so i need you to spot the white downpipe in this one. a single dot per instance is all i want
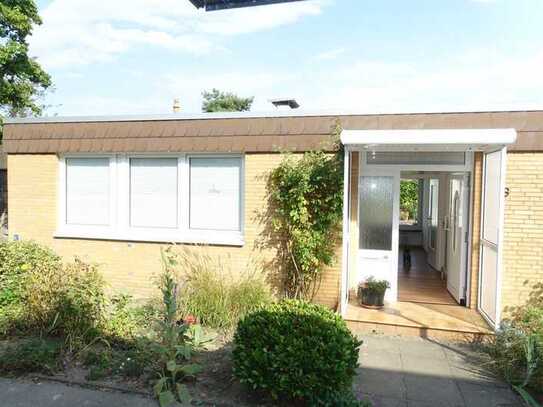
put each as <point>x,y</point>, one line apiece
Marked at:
<point>344,290</point>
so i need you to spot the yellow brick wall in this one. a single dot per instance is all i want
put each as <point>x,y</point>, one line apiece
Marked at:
<point>523,229</point>
<point>129,266</point>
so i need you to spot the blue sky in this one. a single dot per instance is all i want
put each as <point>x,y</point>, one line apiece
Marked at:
<point>135,56</point>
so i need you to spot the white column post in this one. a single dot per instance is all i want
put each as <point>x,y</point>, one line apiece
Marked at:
<point>344,288</point>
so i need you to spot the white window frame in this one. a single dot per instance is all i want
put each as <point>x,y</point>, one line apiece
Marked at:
<point>120,229</point>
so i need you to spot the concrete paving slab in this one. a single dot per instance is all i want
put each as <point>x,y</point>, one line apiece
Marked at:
<point>431,374</point>
<point>423,365</point>
<point>20,393</point>
<point>433,389</point>
<point>487,396</point>
<point>380,360</point>
<point>380,383</point>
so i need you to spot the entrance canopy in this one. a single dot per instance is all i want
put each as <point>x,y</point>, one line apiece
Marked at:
<point>484,140</point>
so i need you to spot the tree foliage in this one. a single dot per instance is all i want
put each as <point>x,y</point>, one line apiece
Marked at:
<point>307,199</point>
<point>409,197</point>
<point>22,80</point>
<point>217,101</point>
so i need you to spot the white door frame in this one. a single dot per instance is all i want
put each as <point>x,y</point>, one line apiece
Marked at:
<point>461,294</point>
<point>467,140</point>
<point>391,294</point>
<point>499,248</point>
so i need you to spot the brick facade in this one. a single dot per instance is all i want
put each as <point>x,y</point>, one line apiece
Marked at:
<point>130,266</point>
<point>523,229</point>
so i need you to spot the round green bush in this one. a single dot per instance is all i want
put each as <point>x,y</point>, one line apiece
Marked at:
<point>296,350</point>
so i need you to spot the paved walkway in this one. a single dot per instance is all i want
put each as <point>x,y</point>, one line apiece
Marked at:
<point>415,372</point>
<point>23,393</point>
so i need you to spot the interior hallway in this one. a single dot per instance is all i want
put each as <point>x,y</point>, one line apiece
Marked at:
<point>421,283</point>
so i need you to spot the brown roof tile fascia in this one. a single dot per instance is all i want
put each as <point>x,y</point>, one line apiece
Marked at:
<point>255,134</point>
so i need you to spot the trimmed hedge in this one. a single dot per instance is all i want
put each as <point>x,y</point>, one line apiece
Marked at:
<point>298,351</point>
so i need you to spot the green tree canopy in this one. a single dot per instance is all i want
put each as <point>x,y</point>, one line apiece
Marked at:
<point>22,80</point>
<point>217,101</point>
<point>409,197</point>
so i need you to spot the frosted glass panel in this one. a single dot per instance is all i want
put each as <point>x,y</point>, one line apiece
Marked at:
<point>153,192</point>
<point>87,191</point>
<point>489,270</point>
<point>376,208</point>
<point>492,197</point>
<point>215,193</point>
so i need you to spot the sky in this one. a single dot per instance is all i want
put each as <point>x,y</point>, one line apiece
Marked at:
<point>135,56</point>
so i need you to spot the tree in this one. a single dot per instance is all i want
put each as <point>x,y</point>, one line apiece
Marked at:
<point>409,197</point>
<point>217,101</point>
<point>22,80</point>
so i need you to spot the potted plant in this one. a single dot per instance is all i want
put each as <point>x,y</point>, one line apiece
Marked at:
<point>371,293</point>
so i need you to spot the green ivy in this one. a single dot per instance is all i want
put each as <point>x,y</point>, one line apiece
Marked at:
<point>307,199</point>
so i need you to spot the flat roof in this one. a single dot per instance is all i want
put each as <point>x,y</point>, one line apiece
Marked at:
<point>238,115</point>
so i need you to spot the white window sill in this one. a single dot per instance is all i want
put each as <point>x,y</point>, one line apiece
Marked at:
<point>207,237</point>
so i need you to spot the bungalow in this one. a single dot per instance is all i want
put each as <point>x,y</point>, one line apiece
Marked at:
<point>113,188</point>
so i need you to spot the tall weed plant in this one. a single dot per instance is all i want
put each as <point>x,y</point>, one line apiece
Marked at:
<point>217,294</point>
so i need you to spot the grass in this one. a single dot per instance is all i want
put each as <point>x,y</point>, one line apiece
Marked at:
<point>216,294</point>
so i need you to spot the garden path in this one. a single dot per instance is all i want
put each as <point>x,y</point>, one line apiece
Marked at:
<point>417,372</point>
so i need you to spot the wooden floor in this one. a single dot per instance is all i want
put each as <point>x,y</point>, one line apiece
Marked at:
<point>421,283</point>
<point>425,307</point>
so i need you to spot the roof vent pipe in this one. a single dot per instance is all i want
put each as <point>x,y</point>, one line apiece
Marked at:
<point>176,106</point>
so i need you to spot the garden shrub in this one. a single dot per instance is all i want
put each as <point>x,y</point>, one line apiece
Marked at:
<point>69,302</point>
<point>17,261</point>
<point>215,295</point>
<point>31,356</point>
<point>298,351</point>
<point>517,349</point>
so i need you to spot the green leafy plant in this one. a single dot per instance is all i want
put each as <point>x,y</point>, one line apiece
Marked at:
<point>214,294</point>
<point>18,260</point>
<point>176,344</point>
<point>517,349</point>
<point>68,302</point>
<point>306,194</point>
<point>409,197</point>
<point>296,351</point>
<point>31,356</point>
<point>376,286</point>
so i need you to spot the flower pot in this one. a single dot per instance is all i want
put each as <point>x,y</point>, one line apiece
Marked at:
<point>370,298</point>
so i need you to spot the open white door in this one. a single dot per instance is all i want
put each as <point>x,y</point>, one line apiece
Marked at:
<point>379,201</point>
<point>492,235</point>
<point>456,228</point>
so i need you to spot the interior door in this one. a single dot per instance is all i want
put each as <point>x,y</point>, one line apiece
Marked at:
<point>456,229</point>
<point>378,228</point>
<point>491,235</point>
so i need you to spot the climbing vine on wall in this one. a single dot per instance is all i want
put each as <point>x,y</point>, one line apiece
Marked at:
<point>307,199</point>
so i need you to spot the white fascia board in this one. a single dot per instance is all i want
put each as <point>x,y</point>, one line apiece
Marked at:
<point>460,138</point>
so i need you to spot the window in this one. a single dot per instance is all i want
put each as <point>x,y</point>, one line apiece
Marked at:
<point>87,191</point>
<point>153,192</point>
<point>170,198</point>
<point>215,193</point>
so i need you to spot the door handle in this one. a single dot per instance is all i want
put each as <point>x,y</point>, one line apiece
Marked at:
<point>385,257</point>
